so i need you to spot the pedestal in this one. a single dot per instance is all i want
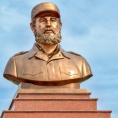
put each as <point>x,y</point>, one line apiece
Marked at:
<point>54,103</point>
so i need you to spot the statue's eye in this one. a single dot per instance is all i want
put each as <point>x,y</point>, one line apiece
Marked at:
<point>42,20</point>
<point>53,19</point>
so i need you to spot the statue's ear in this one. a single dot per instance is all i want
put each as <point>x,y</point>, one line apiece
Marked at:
<point>32,26</point>
<point>60,23</point>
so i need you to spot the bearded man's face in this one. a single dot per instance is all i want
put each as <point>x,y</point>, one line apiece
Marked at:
<point>47,29</point>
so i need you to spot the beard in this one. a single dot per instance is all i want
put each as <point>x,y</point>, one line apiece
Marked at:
<point>49,39</point>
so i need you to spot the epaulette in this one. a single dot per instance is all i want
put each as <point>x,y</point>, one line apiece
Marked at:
<point>20,53</point>
<point>74,53</point>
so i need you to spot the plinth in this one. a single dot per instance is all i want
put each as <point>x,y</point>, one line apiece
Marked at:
<point>54,102</point>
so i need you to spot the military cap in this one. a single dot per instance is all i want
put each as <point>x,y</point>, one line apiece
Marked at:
<point>45,7</point>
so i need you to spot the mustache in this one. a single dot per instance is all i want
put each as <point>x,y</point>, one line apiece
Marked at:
<point>48,29</point>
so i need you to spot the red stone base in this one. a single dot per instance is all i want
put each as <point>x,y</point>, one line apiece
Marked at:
<point>57,114</point>
<point>56,103</point>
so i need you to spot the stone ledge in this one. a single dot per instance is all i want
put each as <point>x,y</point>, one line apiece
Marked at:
<point>55,91</point>
<point>56,114</point>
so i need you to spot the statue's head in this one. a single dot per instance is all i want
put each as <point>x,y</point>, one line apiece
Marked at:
<point>46,23</point>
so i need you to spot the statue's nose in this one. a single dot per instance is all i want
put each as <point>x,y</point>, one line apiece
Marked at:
<point>48,24</point>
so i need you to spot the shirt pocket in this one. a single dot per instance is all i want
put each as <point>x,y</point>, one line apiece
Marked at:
<point>32,72</point>
<point>69,70</point>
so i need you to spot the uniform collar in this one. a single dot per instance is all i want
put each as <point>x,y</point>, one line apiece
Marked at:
<point>35,52</point>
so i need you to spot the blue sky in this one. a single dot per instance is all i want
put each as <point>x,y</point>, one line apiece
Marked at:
<point>90,27</point>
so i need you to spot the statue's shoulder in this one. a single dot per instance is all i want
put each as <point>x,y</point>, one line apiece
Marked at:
<point>75,56</point>
<point>73,53</point>
<point>20,53</point>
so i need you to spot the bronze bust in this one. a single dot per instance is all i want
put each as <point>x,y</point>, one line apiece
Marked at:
<point>46,63</point>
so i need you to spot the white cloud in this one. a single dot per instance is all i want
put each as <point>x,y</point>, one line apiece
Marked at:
<point>10,18</point>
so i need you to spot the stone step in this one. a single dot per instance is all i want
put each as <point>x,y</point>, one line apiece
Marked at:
<point>56,114</point>
<point>53,96</point>
<point>54,104</point>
